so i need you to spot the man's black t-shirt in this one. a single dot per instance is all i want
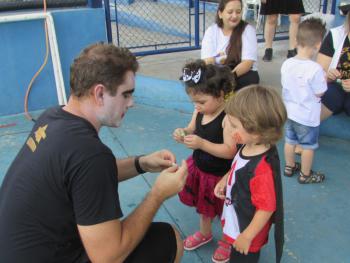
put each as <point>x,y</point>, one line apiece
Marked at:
<point>63,176</point>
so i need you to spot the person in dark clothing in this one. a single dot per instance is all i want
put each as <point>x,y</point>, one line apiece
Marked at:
<point>334,58</point>
<point>59,200</point>
<point>272,8</point>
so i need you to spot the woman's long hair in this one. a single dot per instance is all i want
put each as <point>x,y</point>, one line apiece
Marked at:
<point>347,22</point>
<point>234,48</point>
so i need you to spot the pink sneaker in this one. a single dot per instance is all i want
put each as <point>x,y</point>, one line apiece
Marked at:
<point>196,240</point>
<point>222,253</point>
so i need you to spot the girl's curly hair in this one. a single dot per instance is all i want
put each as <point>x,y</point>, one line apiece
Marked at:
<point>212,81</point>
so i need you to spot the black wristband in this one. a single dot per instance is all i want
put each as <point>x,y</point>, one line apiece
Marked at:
<point>137,165</point>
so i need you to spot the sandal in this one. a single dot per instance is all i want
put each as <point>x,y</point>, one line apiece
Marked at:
<point>314,177</point>
<point>222,253</point>
<point>196,240</point>
<point>290,171</point>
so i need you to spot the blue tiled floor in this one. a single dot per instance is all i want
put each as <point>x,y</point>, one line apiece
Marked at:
<point>316,216</point>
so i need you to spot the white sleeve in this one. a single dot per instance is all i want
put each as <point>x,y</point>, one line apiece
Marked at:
<point>208,44</point>
<point>319,83</point>
<point>249,44</point>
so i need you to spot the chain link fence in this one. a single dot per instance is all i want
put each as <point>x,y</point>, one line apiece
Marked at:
<point>160,26</point>
<point>145,24</point>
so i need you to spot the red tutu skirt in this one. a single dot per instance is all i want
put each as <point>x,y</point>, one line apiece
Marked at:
<point>199,191</point>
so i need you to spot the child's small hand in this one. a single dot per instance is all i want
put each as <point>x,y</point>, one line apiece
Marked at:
<point>193,141</point>
<point>242,244</point>
<point>220,189</point>
<point>179,135</point>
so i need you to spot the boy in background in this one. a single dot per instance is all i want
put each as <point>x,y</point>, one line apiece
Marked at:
<point>303,83</point>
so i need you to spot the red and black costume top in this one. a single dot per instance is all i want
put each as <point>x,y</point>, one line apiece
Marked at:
<point>254,184</point>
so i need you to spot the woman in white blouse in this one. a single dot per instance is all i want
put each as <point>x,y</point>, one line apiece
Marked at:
<point>232,42</point>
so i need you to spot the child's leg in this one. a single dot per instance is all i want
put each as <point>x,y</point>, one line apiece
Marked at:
<point>237,257</point>
<point>222,252</point>
<point>205,225</point>
<point>291,166</point>
<point>201,237</point>
<point>298,150</point>
<point>309,142</point>
<point>289,154</point>
<point>307,157</point>
<point>307,175</point>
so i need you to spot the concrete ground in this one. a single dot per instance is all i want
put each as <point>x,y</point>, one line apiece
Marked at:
<point>168,66</point>
<point>316,216</point>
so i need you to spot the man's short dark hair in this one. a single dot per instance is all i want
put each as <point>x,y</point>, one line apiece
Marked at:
<point>103,64</point>
<point>310,32</point>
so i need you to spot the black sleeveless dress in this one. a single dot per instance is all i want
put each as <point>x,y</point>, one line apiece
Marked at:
<point>286,7</point>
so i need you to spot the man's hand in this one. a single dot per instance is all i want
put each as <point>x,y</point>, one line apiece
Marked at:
<point>170,181</point>
<point>193,141</point>
<point>242,244</point>
<point>157,161</point>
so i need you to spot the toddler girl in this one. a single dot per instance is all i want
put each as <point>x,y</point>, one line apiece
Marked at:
<point>214,147</point>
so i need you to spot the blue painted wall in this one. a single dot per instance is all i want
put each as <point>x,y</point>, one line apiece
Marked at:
<point>22,51</point>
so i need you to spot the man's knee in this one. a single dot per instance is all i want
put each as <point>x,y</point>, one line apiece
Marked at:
<point>160,244</point>
<point>179,245</point>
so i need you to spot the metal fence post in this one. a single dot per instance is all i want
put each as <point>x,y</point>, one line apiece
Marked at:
<point>334,4</point>
<point>196,23</point>
<point>108,21</point>
<point>324,6</point>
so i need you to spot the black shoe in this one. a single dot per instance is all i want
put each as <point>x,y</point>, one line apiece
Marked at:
<point>268,55</point>
<point>292,53</point>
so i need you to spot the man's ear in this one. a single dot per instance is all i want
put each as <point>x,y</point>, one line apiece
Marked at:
<point>98,92</point>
